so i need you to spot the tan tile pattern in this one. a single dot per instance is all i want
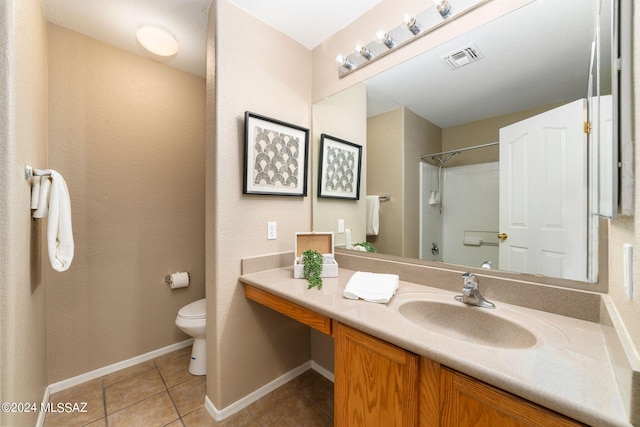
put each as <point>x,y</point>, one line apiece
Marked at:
<point>157,410</point>
<point>129,372</point>
<point>161,392</point>
<point>136,389</point>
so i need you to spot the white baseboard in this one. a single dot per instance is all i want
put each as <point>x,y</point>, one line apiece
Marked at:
<point>70,382</point>
<point>239,405</point>
<point>42,414</point>
<point>322,371</point>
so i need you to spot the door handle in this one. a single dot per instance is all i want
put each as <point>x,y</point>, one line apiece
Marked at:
<point>503,236</point>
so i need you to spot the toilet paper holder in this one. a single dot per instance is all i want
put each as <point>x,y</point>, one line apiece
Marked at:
<point>168,279</point>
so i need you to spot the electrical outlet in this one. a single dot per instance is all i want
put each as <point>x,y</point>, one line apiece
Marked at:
<point>272,230</point>
<point>341,226</point>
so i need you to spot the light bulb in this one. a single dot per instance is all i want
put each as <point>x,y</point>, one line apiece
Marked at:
<point>412,24</point>
<point>343,61</point>
<point>444,8</point>
<point>362,50</point>
<point>384,38</point>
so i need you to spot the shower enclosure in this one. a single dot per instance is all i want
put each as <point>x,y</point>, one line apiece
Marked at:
<point>463,225</point>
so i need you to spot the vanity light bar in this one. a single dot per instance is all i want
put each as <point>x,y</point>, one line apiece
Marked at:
<point>411,29</point>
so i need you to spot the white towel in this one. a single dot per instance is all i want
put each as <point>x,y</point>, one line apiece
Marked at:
<point>59,232</point>
<point>372,287</point>
<point>42,208</point>
<point>373,215</point>
<point>35,192</point>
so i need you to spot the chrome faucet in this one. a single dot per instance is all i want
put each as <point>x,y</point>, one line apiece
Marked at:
<point>471,294</point>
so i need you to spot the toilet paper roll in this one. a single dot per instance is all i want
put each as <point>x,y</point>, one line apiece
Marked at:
<point>178,280</point>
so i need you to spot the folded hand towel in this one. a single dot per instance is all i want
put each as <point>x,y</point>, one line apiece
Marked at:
<point>42,209</point>
<point>372,287</point>
<point>59,232</point>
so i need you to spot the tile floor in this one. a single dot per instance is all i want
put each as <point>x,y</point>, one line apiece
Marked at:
<point>161,392</point>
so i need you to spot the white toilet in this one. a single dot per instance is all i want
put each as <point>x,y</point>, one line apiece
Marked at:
<point>192,320</point>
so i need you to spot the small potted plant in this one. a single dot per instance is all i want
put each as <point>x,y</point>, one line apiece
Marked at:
<point>312,270</point>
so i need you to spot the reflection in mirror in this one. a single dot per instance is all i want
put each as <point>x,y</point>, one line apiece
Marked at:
<point>478,122</point>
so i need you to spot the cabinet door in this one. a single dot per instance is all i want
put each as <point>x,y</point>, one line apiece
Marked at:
<point>469,402</point>
<point>376,383</point>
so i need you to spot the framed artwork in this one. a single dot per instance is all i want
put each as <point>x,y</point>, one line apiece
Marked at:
<point>339,168</point>
<point>275,157</point>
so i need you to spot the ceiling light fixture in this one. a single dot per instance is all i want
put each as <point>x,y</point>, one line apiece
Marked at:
<point>384,38</point>
<point>157,40</point>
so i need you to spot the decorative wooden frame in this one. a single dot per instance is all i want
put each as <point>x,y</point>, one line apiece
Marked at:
<point>275,157</point>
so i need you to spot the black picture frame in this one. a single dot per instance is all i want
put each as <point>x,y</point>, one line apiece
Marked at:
<point>339,165</point>
<point>275,157</point>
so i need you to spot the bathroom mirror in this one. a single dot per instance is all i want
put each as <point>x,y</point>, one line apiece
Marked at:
<point>531,61</point>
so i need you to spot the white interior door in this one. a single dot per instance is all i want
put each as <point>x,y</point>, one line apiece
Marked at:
<point>543,194</point>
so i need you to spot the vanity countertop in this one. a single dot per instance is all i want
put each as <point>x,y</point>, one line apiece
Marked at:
<point>570,373</point>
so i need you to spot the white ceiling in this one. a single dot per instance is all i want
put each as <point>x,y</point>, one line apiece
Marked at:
<point>536,55</point>
<point>310,22</point>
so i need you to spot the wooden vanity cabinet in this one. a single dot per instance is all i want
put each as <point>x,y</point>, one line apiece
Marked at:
<point>376,383</point>
<point>465,401</point>
<point>379,384</point>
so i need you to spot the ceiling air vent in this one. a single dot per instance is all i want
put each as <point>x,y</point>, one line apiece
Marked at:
<point>463,56</point>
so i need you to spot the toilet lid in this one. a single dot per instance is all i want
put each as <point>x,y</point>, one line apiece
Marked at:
<point>195,310</point>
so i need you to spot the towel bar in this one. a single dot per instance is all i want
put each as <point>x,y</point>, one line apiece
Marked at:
<point>30,172</point>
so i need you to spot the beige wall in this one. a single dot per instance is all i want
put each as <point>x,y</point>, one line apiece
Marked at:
<point>263,71</point>
<point>127,134</point>
<point>342,116</point>
<point>384,158</point>
<point>23,139</point>
<point>396,140</point>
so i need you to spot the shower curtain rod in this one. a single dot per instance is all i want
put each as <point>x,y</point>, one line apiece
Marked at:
<point>426,156</point>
